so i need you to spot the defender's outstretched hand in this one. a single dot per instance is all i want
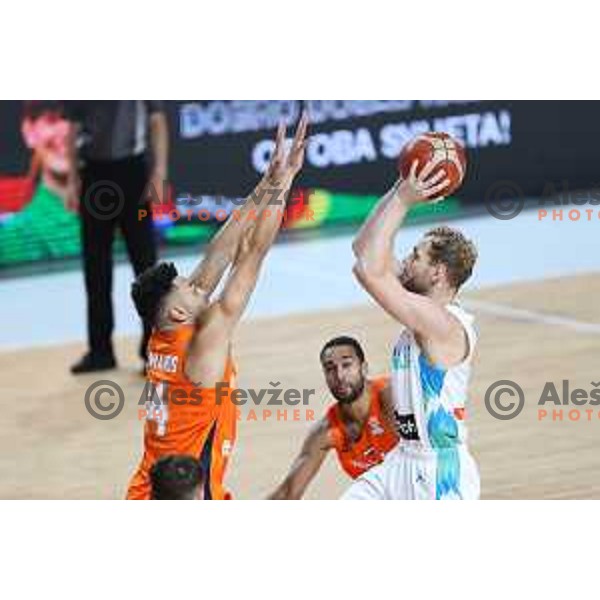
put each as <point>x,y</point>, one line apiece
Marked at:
<point>284,166</point>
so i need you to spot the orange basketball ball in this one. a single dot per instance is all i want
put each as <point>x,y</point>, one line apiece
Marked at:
<point>447,153</point>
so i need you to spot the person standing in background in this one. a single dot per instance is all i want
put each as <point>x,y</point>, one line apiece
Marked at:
<point>118,152</point>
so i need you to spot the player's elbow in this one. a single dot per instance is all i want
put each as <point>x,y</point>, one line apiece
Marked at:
<point>359,272</point>
<point>366,274</point>
<point>359,247</point>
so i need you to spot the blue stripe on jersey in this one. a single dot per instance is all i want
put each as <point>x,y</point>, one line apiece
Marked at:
<point>448,473</point>
<point>432,379</point>
<point>443,435</point>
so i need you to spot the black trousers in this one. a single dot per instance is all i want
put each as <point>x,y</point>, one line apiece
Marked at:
<point>112,195</point>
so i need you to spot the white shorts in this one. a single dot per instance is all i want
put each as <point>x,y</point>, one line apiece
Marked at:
<point>412,474</point>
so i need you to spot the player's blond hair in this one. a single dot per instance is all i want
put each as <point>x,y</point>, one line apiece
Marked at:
<point>452,248</point>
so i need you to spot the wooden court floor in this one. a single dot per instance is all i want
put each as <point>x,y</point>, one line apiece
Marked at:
<point>50,446</point>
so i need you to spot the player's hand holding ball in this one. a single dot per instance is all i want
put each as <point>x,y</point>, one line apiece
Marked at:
<point>431,166</point>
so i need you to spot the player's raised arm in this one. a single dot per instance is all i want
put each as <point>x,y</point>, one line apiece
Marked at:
<point>379,273</point>
<point>254,247</point>
<point>373,245</point>
<point>307,464</point>
<point>225,245</point>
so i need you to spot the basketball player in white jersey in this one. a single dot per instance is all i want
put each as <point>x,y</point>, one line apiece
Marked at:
<point>431,361</point>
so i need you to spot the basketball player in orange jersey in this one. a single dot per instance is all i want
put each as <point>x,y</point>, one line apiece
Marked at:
<point>359,427</point>
<point>190,348</point>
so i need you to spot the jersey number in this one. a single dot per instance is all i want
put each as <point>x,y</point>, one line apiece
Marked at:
<point>156,410</point>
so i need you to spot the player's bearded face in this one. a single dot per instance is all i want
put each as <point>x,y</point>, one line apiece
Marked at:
<point>344,374</point>
<point>416,271</point>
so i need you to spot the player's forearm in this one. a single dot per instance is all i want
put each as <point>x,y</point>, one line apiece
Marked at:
<point>268,218</point>
<point>220,253</point>
<point>244,219</point>
<point>159,141</point>
<point>266,229</point>
<point>276,185</point>
<point>291,489</point>
<point>307,465</point>
<point>225,244</point>
<point>281,493</point>
<point>373,245</point>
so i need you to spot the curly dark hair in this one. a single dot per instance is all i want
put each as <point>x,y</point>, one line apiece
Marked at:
<point>450,247</point>
<point>344,340</point>
<point>176,477</point>
<point>150,288</point>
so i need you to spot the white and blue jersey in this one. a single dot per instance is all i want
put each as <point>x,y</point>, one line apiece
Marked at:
<point>432,460</point>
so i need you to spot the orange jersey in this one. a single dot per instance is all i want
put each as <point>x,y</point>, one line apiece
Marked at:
<point>194,421</point>
<point>375,441</point>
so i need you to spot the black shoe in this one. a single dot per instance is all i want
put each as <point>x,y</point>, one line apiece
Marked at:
<point>94,362</point>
